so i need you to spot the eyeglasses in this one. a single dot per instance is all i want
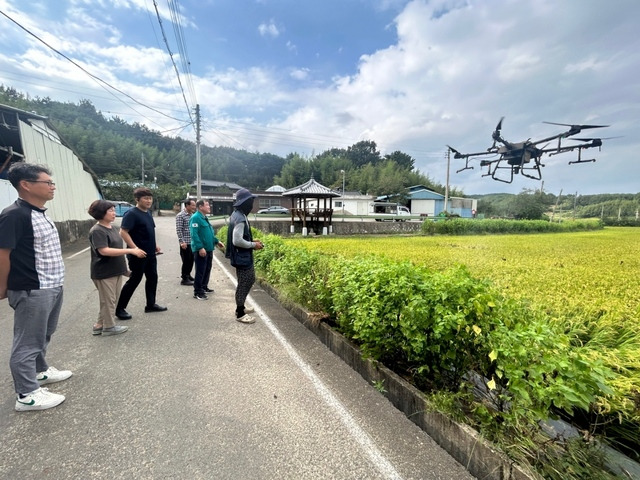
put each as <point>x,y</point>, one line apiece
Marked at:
<point>48,182</point>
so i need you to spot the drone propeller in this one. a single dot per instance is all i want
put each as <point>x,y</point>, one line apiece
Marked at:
<point>456,153</point>
<point>496,133</point>
<point>592,139</point>
<point>577,126</point>
<point>575,129</point>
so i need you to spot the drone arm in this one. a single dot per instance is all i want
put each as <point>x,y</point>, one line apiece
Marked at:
<point>593,142</point>
<point>466,167</point>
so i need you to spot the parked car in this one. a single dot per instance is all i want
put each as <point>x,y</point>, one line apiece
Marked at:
<point>274,209</point>
<point>121,207</point>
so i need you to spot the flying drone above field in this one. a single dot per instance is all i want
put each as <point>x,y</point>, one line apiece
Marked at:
<point>525,157</point>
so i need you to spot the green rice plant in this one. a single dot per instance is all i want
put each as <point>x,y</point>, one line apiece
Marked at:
<point>580,289</point>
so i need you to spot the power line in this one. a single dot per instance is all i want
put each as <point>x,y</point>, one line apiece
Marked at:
<point>182,46</point>
<point>94,77</point>
<point>155,4</point>
<point>155,34</point>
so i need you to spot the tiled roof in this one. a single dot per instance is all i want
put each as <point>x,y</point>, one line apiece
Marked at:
<point>310,189</point>
<point>216,183</point>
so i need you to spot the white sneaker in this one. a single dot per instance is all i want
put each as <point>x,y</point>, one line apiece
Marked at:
<point>246,319</point>
<point>53,375</point>
<point>39,399</point>
<point>249,309</point>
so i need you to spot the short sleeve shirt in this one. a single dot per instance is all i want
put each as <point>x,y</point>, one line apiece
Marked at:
<point>102,266</point>
<point>142,229</point>
<point>36,255</point>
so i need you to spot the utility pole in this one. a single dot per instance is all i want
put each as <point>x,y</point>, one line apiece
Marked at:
<point>446,188</point>
<point>556,205</point>
<point>198,171</point>
<point>143,169</point>
<point>343,174</point>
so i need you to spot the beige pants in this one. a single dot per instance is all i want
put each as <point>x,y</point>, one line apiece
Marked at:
<point>108,291</point>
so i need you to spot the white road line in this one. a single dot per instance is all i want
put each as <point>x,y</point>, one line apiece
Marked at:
<point>78,253</point>
<point>366,442</point>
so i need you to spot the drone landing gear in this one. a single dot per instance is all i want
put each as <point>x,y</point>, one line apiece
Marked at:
<point>514,170</point>
<point>582,161</point>
<point>580,157</point>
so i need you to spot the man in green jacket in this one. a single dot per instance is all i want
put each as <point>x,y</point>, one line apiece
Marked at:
<point>203,241</point>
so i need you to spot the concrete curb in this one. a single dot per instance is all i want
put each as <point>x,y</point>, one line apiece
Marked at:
<point>463,443</point>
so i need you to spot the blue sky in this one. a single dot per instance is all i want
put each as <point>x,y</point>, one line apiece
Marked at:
<point>285,76</point>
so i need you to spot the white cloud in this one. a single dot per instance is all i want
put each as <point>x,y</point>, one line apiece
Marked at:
<point>456,68</point>
<point>291,47</point>
<point>455,72</point>
<point>269,29</point>
<point>300,73</point>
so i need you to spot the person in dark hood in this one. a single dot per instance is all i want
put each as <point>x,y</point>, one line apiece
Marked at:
<point>240,247</point>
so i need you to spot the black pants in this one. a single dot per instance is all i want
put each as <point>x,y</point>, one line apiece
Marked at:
<point>246,278</point>
<point>148,267</point>
<point>187,262</point>
<point>203,272</point>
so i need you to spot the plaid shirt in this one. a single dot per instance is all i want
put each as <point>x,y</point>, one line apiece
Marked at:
<point>182,227</point>
<point>36,256</point>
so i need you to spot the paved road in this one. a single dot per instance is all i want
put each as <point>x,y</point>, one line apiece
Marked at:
<point>193,394</point>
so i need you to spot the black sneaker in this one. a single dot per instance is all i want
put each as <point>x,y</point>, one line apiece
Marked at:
<point>186,282</point>
<point>154,308</point>
<point>123,314</point>
<point>208,290</point>
<point>200,296</point>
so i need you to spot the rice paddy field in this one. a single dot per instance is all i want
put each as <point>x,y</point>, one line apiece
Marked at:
<point>587,276</point>
<point>587,284</point>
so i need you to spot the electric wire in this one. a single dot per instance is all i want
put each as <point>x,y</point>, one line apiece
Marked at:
<point>99,80</point>
<point>178,29</point>
<point>259,134</point>
<point>167,68</point>
<point>164,36</point>
<point>86,92</point>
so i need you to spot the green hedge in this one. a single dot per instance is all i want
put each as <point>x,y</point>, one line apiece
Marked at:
<point>465,226</point>
<point>437,327</point>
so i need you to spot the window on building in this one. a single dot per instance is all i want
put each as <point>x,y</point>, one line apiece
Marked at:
<point>269,202</point>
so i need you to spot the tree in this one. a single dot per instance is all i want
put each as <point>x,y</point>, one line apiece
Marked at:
<point>117,187</point>
<point>295,171</point>
<point>403,160</point>
<point>529,206</point>
<point>362,153</point>
<point>167,195</point>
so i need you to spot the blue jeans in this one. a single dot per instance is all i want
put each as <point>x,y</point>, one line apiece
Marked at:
<point>35,320</point>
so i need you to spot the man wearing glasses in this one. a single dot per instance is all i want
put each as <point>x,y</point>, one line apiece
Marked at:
<point>31,278</point>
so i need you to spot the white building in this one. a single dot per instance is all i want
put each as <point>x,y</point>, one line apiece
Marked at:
<point>351,203</point>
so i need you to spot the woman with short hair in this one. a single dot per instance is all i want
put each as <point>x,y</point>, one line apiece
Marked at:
<point>107,265</point>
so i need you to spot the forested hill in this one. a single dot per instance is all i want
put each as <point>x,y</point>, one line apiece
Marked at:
<point>111,146</point>
<point>115,149</point>
<point>535,204</point>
